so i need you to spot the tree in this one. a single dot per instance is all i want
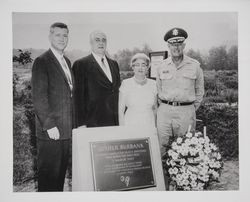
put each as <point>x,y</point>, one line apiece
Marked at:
<point>196,55</point>
<point>23,57</point>
<point>217,58</point>
<point>124,56</point>
<point>233,58</point>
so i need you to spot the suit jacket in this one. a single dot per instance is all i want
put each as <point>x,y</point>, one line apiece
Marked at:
<point>96,97</point>
<point>52,97</point>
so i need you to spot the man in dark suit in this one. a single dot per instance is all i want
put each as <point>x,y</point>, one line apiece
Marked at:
<point>52,93</point>
<point>97,85</point>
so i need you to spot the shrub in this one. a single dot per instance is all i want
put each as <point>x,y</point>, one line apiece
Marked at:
<point>24,140</point>
<point>230,95</point>
<point>23,164</point>
<point>222,127</point>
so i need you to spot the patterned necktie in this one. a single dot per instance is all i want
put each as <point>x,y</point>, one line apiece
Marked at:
<point>67,73</point>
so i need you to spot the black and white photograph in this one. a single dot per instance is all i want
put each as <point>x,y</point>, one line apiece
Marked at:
<point>126,101</point>
<point>87,70</point>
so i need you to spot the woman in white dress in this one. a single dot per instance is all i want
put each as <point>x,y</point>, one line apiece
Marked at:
<point>138,95</point>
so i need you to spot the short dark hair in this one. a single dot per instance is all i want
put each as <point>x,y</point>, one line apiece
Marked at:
<point>60,25</point>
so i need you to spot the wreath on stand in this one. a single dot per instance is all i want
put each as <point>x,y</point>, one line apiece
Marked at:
<point>192,162</point>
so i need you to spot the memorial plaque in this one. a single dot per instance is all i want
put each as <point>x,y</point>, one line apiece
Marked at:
<point>122,165</point>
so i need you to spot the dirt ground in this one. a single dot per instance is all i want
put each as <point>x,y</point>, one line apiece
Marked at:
<point>229,180</point>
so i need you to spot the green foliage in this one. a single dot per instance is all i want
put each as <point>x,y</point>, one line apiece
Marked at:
<point>222,127</point>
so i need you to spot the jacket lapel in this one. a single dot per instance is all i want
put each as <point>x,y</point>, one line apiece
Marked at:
<point>95,64</point>
<point>58,67</point>
<point>111,70</point>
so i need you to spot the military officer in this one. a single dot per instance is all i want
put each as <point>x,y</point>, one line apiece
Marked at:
<point>180,86</point>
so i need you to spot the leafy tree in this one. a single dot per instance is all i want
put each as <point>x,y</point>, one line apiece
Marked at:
<point>217,58</point>
<point>233,58</point>
<point>23,58</point>
<point>123,57</point>
<point>196,55</point>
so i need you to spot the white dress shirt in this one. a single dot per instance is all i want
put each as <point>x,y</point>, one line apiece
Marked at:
<point>105,68</point>
<point>64,66</point>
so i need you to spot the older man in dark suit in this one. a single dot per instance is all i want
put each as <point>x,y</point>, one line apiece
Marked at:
<point>97,85</point>
<point>52,93</point>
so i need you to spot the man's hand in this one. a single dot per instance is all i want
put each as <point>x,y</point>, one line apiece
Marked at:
<point>54,133</point>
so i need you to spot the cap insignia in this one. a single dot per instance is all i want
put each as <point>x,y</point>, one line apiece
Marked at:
<point>175,32</point>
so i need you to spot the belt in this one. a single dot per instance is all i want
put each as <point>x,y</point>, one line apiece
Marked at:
<point>177,103</point>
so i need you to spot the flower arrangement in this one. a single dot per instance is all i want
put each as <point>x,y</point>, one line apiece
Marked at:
<point>192,161</point>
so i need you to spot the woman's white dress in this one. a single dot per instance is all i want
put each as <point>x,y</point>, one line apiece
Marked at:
<point>139,100</point>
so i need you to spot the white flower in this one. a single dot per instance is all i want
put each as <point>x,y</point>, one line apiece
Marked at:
<point>200,186</point>
<point>170,152</point>
<point>216,175</point>
<point>193,177</point>
<point>174,145</point>
<point>199,147</point>
<point>182,162</point>
<point>201,140</point>
<point>175,170</point>
<point>193,159</point>
<point>207,150</point>
<point>194,140</point>
<point>185,176</point>
<point>193,152</point>
<point>213,147</point>
<point>179,177</point>
<point>174,155</point>
<point>217,164</point>
<point>179,140</point>
<point>184,150</point>
<point>193,183</point>
<point>186,188</point>
<point>170,171</point>
<point>218,156</point>
<point>189,135</point>
<point>172,163</point>
<point>185,182</point>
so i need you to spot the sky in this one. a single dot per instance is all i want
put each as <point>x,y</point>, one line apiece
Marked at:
<point>127,30</point>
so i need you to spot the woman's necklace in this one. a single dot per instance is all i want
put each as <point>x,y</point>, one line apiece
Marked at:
<point>139,81</point>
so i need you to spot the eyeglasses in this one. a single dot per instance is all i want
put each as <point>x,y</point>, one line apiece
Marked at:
<point>140,65</point>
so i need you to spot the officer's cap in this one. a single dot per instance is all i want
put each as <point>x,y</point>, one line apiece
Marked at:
<point>176,35</point>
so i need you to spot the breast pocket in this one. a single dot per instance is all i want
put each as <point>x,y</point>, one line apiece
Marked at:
<point>188,79</point>
<point>166,75</point>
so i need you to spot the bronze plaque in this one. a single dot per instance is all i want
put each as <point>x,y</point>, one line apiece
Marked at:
<point>122,165</point>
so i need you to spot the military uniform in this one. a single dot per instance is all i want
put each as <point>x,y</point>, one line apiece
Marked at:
<point>180,91</point>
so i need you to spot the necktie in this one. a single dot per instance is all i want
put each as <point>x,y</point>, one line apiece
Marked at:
<point>67,72</point>
<point>106,70</point>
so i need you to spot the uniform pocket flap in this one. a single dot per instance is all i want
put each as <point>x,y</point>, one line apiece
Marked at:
<point>189,75</point>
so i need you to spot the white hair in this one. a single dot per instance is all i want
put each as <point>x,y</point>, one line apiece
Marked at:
<point>93,33</point>
<point>139,56</point>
